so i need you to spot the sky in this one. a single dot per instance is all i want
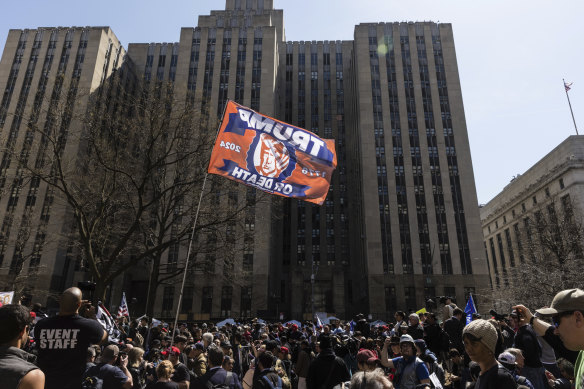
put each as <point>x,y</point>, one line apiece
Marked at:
<point>512,57</point>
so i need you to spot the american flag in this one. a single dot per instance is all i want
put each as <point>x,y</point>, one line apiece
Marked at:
<point>567,85</point>
<point>123,309</point>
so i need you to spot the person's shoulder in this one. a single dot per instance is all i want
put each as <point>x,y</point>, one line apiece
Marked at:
<point>504,378</point>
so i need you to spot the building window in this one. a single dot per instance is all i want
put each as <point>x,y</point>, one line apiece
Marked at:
<point>226,294</point>
<point>410,297</point>
<point>187,300</point>
<point>450,291</point>
<point>390,299</point>
<point>534,200</point>
<point>246,301</point>
<point>561,183</point>
<point>207,302</point>
<point>523,207</point>
<point>168,298</point>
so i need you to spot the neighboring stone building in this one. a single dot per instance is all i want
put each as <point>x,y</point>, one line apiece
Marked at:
<point>401,222</point>
<point>558,179</point>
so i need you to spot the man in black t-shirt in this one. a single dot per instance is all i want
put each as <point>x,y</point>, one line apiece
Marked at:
<point>113,377</point>
<point>181,373</point>
<point>62,342</point>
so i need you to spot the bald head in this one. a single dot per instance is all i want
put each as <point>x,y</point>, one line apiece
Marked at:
<point>70,301</point>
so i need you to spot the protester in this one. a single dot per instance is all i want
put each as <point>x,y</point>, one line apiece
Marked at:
<point>508,361</point>
<point>136,367</point>
<point>567,313</point>
<point>480,340</point>
<point>526,341</point>
<point>410,370</point>
<point>415,329</point>
<point>164,371</point>
<point>17,369</point>
<point>215,374</point>
<point>370,380</point>
<point>327,369</point>
<point>266,377</point>
<point>453,327</point>
<point>181,373</point>
<point>63,340</point>
<point>113,377</point>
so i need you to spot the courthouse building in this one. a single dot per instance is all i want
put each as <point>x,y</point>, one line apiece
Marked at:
<point>400,223</point>
<point>552,184</point>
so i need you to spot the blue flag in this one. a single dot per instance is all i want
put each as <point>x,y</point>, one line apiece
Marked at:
<point>469,309</point>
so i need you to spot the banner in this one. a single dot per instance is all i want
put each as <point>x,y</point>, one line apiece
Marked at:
<point>273,156</point>
<point>6,298</point>
<point>108,323</point>
<point>469,309</point>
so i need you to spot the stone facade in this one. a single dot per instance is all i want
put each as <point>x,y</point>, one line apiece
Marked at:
<point>400,223</point>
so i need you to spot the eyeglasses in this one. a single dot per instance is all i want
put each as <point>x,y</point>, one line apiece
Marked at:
<point>558,318</point>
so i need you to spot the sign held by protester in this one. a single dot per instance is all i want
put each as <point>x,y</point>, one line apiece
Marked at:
<point>273,156</point>
<point>6,298</point>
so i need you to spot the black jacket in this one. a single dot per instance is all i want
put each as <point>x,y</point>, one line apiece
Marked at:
<point>526,341</point>
<point>453,327</point>
<point>326,371</point>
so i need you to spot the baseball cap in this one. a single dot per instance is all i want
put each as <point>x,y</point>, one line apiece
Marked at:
<point>366,356</point>
<point>171,351</point>
<point>566,300</point>
<point>406,338</point>
<point>199,346</point>
<point>506,357</point>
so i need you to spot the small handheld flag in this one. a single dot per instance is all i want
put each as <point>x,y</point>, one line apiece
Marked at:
<point>469,309</point>
<point>276,157</point>
<point>123,309</point>
<point>567,85</point>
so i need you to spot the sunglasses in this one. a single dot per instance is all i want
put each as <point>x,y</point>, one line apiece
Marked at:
<point>558,318</point>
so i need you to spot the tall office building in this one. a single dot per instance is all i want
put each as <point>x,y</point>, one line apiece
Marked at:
<point>41,72</point>
<point>400,223</point>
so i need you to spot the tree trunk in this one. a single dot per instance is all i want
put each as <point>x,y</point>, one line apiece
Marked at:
<point>99,292</point>
<point>154,274</point>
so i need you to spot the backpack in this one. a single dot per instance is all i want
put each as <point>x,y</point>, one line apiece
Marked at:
<point>271,384</point>
<point>90,380</point>
<point>224,385</point>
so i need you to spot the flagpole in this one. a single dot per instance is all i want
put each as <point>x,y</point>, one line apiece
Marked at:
<point>570,104</point>
<point>182,287</point>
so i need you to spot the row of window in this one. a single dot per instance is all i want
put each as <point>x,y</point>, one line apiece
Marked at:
<point>534,203</point>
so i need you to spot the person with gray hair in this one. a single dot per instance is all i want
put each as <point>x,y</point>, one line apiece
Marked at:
<point>370,380</point>
<point>207,339</point>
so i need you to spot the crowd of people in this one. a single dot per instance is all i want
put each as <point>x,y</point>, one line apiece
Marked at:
<point>524,349</point>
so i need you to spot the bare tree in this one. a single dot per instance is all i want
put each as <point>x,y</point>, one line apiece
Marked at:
<point>133,183</point>
<point>549,256</point>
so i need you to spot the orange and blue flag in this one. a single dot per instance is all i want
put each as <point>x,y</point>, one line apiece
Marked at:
<point>273,156</point>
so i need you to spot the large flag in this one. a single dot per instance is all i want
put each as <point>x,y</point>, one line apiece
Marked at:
<point>469,309</point>
<point>107,322</point>
<point>273,156</point>
<point>123,309</point>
